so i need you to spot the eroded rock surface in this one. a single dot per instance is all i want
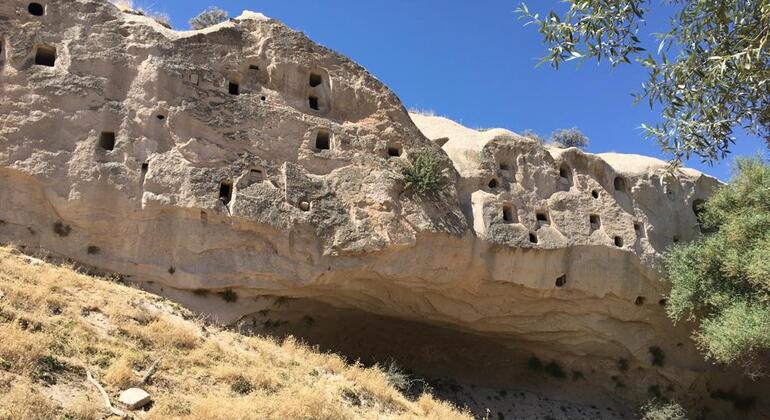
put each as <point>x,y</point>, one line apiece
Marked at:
<point>247,160</point>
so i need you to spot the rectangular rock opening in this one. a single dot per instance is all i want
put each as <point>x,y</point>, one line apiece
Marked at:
<point>45,56</point>
<point>394,151</point>
<point>542,218</point>
<point>508,215</point>
<point>595,221</point>
<point>225,192</point>
<point>313,102</point>
<point>234,89</point>
<point>256,175</point>
<point>107,140</point>
<point>322,140</point>
<point>315,79</point>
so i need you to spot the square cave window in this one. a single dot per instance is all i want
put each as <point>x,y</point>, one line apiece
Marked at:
<point>234,89</point>
<point>322,140</point>
<point>542,218</point>
<point>313,102</point>
<point>508,215</point>
<point>315,80</point>
<point>595,220</point>
<point>257,175</point>
<point>225,192</point>
<point>45,56</point>
<point>107,140</point>
<point>394,151</point>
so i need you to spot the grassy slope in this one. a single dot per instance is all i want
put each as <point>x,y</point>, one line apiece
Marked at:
<point>56,323</point>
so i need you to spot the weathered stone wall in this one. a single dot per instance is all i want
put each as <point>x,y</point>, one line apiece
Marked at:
<point>246,157</point>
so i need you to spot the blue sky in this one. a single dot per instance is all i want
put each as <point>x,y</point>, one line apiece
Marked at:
<point>473,62</point>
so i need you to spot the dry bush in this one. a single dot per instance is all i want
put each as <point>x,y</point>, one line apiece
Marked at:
<point>85,408</point>
<point>120,374</point>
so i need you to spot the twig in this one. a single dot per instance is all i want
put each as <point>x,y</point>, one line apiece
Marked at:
<point>106,397</point>
<point>150,371</point>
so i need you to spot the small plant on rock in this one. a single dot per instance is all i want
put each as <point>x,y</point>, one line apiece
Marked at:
<point>570,137</point>
<point>210,17</point>
<point>423,174</point>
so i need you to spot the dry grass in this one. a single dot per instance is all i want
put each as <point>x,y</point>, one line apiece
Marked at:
<point>55,324</point>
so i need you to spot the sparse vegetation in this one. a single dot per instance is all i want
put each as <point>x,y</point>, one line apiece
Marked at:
<point>657,409</point>
<point>116,332</point>
<point>623,364</point>
<point>210,17</point>
<point>528,133</point>
<point>423,173</point>
<point>722,280</point>
<point>552,368</point>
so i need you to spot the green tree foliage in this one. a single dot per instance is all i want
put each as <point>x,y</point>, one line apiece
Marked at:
<point>710,72</point>
<point>570,137</point>
<point>212,16</point>
<point>722,280</point>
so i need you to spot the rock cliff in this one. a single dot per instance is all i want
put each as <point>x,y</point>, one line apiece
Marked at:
<point>247,160</point>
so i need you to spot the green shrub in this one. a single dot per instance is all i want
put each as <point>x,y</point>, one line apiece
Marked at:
<point>241,385</point>
<point>722,280</point>
<point>533,363</point>
<point>554,369</point>
<point>423,173</point>
<point>656,409</point>
<point>570,137</point>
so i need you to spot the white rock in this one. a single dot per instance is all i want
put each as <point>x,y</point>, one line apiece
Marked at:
<point>134,398</point>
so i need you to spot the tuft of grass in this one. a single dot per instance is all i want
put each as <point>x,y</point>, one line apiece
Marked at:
<point>241,385</point>
<point>554,369</point>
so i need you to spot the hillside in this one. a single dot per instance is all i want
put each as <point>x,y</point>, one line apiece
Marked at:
<point>56,324</point>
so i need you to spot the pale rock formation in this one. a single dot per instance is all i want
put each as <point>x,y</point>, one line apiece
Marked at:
<point>245,157</point>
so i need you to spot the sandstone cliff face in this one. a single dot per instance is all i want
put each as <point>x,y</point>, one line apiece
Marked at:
<point>246,157</point>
